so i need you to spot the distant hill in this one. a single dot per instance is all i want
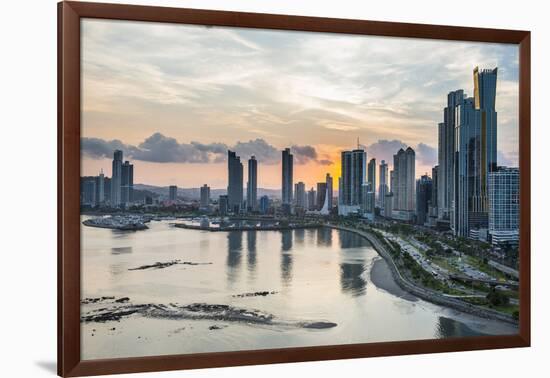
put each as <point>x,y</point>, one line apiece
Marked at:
<point>194,193</point>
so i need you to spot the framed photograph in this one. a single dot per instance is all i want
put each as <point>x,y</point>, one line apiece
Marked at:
<point>239,188</point>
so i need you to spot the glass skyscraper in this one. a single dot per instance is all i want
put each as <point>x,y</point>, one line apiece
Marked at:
<point>252,185</point>
<point>383,189</point>
<point>475,154</point>
<point>205,196</point>
<point>287,179</point>
<point>403,185</point>
<point>234,182</point>
<point>504,205</point>
<point>423,198</point>
<point>116,179</point>
<point>354,169</point>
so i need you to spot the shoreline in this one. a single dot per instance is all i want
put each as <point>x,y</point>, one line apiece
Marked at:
<point>246,228</point>
<point>380,275</point>
<point>423,293</point>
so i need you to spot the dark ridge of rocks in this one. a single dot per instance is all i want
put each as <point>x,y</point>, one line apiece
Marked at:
<point>162,265</point>
<point>254,294</point>
<point>96,300</point>
<point>122,300</point>
<point>195,311</point>
<point>319,325</point>
<point>214,327</point>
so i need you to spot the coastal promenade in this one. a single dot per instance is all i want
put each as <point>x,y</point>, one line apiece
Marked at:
<point>424,293</point>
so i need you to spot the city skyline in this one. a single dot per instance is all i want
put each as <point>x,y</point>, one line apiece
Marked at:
<point>174,113</point>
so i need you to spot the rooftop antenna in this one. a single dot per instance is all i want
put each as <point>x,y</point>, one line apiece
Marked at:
<point>357,142</point>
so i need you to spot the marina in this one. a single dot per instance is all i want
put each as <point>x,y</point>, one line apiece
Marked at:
<point>119,222</point>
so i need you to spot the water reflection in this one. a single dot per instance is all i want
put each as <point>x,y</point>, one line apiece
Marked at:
<point>351,279</point>
<point>120,250</point>
<point>447,327</point>
<point>234,249</point>
<point>324,237</point>
<point>299,236</point>
<point>251,249</point>
<point>311,235</point>
<point>286,257</point>
<point>286,240</point>
<point>351,240</point>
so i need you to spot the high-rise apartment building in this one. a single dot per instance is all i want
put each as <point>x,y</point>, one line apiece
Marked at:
<point>116,179</point>
<point>287,176</point>
<point>172,193</point>
<point>353,177</point>
<point>127,183</point>
<point>264,204</point>
<point>205,196</point>
<point>312,199</point>
<point>504,206</point>
<point>234,182</point>
<point>423,198</point>
<point>100,189</point>
<point>223,205</point>
<point>330,191</point>
<point>404,184</point>
<point>300,195</point>
<point>252,185</point>
<point>383,188</point>
<point>321,194</point>
<point>371,175</point>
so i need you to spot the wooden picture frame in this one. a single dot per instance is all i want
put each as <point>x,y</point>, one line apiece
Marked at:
<point>69,98</point>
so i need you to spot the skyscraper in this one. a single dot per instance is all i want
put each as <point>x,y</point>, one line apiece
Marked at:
<point>205,196</point>
<point>423,197</point>
<point>371,175</point>
<point>353,177</point>
<point>388,205</point>
<point>287,176</point>
<point>404,185</point>
<point>116,179</point>
<point>252,185</point>
<point>234,182</point>
<point>172,193</point>
<point>485,93</point>
<point>383,189</point>
<point>223,205</point>
<point>475,129</point>
<point>311,199</point>
<point>330,192</point>
<point>301,195</point>
<point>264,204</point>
<point>88,191</point>
<point>433,213</point>
<point>321,194</point>
<point>127,183</point>
<point>107,189</point>
<point>368,199</point>
<point>447,154</point>
<point>504,205</point>
<point>100,189</point>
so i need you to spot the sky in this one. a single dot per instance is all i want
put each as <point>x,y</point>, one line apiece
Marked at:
<point>174,98</point>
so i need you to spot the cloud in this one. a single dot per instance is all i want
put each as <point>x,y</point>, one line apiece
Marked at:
<point>385,149</point>
<point>264,152</point>
<point>97,148</point>
<point>159,148</point>
<point>426,155</point>
<point>505,160</point>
